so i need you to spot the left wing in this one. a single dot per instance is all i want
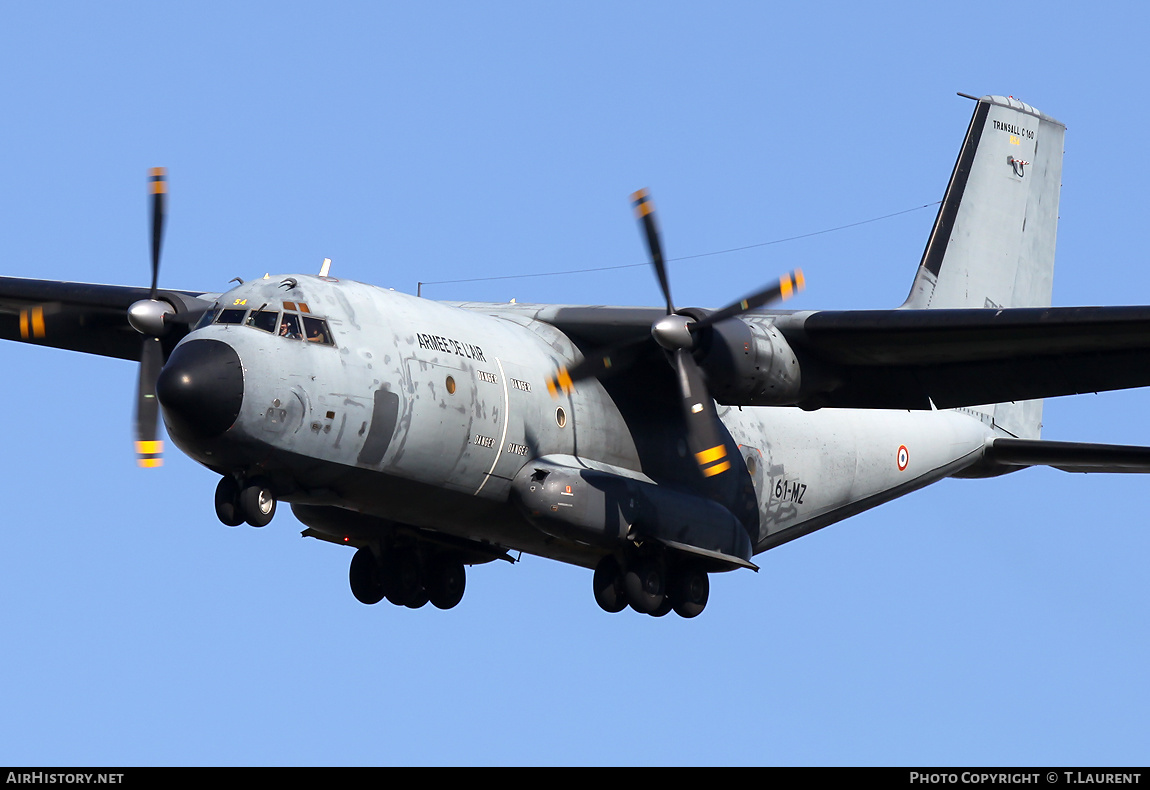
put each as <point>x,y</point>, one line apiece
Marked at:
<point>910,359</point>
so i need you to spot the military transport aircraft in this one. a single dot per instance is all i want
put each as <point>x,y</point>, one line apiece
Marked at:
<point>653,445</point>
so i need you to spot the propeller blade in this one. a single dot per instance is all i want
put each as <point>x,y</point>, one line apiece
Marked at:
<point>704,438</point>
<point>596,365</point>
<point>158,186</point>
<point>705,435</point>
<point>645,211</point>
<point>149,450</point>
<point>787,286</point>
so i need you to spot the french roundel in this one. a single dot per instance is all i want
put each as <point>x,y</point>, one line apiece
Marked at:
<point>903,458</point>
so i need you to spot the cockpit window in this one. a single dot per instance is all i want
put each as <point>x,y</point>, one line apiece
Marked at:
<point>299,324</point>
<point>290,327</point>
<point>316,331</point>
<point>264,319</point>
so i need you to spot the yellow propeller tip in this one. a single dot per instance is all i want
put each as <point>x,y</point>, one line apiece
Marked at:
<point>158,180</point>
<point>790,284</point>
<point>642,203</point>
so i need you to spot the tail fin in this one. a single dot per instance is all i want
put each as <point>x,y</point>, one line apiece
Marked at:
<point>993,240</point>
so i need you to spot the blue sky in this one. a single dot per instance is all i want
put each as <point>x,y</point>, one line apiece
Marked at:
<point>976,622</point>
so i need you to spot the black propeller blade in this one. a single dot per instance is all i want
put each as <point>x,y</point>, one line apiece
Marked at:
<point>704,439</point>
<point>787,286</point>
<point>149,450</point>
<point>645,211</point>
<point>597,364</point>
<point>149,320</point>
<point>158,185</point>
<point>676,334</point>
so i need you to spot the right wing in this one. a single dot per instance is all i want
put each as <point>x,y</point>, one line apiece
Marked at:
<point>87,317</point>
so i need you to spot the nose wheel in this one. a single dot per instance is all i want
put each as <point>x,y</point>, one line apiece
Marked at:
<point>252,502</point>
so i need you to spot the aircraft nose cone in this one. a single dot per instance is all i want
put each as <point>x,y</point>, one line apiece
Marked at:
<point>201,388</point>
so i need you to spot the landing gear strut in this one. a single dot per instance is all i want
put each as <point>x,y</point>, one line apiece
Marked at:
<point>650,586</point>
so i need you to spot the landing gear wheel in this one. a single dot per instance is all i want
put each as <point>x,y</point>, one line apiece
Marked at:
<point>419,600</point>
<point>257,504</point>
<point>366,577</point>
<point>692,588</point>
<point>664,608</point>
<point>608,586</point>
<point>228,502</point>
<point>645,583</point>
<point>406,578</point>
<point>445,583</point>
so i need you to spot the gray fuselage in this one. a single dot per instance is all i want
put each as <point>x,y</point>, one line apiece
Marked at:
<point>422,414</point>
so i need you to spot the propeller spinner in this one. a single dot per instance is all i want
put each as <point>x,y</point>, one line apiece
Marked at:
<point>676,333</point>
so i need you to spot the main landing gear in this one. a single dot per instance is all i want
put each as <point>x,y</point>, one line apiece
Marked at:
<point>405,577</point>
<point>252,502</point>
<point>650,585</point>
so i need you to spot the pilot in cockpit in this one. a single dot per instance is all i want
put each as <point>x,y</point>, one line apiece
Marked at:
<point>289,327</point>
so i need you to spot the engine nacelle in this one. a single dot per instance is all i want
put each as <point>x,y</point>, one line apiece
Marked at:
<point>750,363</point>
<point>601,508</point>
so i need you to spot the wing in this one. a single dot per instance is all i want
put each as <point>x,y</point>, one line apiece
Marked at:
<point>586,325</point>
<point>87,317</point>
<point>909,359</point>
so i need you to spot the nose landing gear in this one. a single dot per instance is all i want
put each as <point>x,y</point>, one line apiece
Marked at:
<point>252,502</point>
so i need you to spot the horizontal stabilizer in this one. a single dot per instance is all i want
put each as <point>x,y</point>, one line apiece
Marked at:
<point>1070,456</point>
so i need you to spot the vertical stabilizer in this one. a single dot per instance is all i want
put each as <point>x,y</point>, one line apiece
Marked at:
<point>993,241</point>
